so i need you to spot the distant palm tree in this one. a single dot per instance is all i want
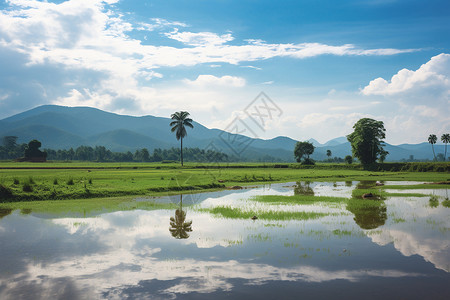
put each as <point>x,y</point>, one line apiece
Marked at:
<point>445,138</point>
<point>179,124</point>
<point>432,139</point>
<point>329,153</point>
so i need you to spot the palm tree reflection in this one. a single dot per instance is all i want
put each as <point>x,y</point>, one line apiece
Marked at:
<point>178,227</point>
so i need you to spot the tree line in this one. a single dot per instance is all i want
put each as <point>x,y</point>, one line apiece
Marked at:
<point>11,150</point>
<point>102,154</point>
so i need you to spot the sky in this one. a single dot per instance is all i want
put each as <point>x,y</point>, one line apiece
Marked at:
<point>321,64</point>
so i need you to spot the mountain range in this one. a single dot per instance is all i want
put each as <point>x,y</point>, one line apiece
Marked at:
<point>60,127</point>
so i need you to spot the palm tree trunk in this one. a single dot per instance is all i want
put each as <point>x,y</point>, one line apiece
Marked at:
<point>182,151</point>
<point>445,155</point>
<point>433,152</point>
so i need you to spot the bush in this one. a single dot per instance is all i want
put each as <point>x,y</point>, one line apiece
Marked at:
<point>308,162</point>
<point>16,181</point>
<point>55,181</point>
<point>70,182</point>
<point>5,192</point>
<point>27,187</point>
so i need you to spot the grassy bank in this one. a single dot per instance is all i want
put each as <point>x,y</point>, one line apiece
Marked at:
<point>58,180</point>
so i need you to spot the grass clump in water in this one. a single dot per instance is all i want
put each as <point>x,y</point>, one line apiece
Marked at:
<point>237,213</point>
<point>434,201</point>
<point>446,203</point>
<point>295,199</point>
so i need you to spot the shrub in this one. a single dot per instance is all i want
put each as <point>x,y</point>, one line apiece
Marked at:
<point>55,181</point>
<point>308,162</point>
<point>5,192</point>
<point>70,182</point>
<point>16,181</point>
<point>27,187</point>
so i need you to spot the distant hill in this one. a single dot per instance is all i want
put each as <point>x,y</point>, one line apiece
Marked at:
<point>60,127</point>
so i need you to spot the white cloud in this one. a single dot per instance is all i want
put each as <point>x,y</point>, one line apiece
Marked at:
<point>199,38</point>
<point>210,80</point>
<point>434,74</point>
<point>422,99</point>
<point>89,36</point>
<point>252,67</point>
<point>159,23</point>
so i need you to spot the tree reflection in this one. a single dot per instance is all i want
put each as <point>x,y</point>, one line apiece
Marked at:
<point>178,227</point>
<point>369,214</point>
<point>303,188</point>
<point>365,184</point>
<point>4,212</point>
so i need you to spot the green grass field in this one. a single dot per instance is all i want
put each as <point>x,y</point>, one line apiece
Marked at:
<point>77,180</point>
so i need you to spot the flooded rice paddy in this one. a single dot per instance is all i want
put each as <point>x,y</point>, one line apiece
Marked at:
<point>240,244</point>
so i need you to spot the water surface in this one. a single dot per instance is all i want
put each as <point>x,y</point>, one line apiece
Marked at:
<point>399,249</point>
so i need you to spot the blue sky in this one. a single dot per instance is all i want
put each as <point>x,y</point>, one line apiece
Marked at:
<point>325,64</point>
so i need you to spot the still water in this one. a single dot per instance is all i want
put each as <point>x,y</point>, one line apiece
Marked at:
<point>399,251</point>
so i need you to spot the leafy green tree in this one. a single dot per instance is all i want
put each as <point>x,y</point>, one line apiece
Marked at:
<point>181,121</point>
<point>303,150</point>
<point>349,159</point>
<point>432,139</point>
<point>367,140</point>
<point>10,142</point>
<point>32,151</point>
<point>383,155</point>
<point>445,138</point>
<point>329,154</point>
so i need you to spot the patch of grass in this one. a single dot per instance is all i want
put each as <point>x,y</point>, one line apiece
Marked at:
<point>85,207</point>
<point>16,181</point>
<point>237,213</point>
<point>295,199</point>
<point>55,181</point>
<point>341,233</point>
<point>398,220</point>
<point>446,203</point>
<point>114,179</point>
<point>434,201</point>
<point>70,181</point>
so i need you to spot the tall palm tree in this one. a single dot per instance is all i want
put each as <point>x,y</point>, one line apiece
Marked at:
<point>445,138</point>
<point>178,227</point>
<point>432,139</point>
<point>179,124</point>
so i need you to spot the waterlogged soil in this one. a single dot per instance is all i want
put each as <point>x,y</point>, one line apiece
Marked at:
<point>241,244</point>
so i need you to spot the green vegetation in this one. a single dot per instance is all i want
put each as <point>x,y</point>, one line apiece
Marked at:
<point>238,213</point>
<point>179,124</point>
<point>85,207</point>
<point>295,199</point>
<point>367,141</point>
<point>369,214</point>
<point>96,180</point>
<point>445,138</point>
<point>432,139</point>
<point>302,151</point>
